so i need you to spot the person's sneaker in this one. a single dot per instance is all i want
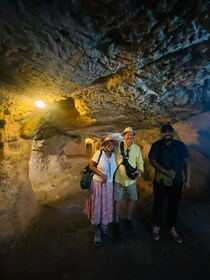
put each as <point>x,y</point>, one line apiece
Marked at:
<point>97,238</point>
<point>173,233</point>
<point>155,232</point>
<point>104,229</point>
<point>129,225</point>
<point>117,228</point>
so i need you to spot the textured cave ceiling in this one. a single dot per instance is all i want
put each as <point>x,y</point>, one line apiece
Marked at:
<point>105,63</point>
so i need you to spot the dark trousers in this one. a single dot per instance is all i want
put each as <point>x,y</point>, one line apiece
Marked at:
<point>173,195</point>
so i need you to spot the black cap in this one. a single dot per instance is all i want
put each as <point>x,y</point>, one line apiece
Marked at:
<point>166,127</point>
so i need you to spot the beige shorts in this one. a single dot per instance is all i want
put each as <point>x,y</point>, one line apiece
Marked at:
<point>131,191</point>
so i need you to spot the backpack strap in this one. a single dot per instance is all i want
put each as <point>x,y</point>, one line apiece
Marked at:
<point>99,157</point>
<point>86,169</point>
<point>116,172</point>
<point>122,151</point>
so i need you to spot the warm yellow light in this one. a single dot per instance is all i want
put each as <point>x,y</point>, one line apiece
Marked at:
<point>40,104</point>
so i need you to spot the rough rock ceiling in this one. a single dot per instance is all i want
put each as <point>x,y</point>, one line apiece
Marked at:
<point>136,63</point>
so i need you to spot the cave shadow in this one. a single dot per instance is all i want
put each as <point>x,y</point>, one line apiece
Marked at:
<point>203,145</point>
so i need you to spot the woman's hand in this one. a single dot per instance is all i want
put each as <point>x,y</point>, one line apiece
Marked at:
<point>104,177</point>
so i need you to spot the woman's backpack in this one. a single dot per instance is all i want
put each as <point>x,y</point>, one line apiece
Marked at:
<point>87,175</point>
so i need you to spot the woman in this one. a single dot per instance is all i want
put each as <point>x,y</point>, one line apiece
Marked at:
<point>99,206</point>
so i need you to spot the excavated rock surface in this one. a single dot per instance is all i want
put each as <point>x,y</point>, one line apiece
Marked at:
<point>142,62</point>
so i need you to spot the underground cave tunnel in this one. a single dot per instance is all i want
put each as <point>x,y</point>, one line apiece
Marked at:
<point>99,66</point>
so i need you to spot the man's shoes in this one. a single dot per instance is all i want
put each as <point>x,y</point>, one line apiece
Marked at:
<point>104,229</point>
<point>173,233</point>
<point>155,232</point>
<point>97,238</point>
<point>117,228</point>
<point>129,226</point>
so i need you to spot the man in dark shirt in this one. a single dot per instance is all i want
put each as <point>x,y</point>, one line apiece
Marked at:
<point>169,157</point>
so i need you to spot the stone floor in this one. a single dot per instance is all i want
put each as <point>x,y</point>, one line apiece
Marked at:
<point>59,246</point>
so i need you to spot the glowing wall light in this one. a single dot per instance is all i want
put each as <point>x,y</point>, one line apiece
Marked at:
<point>40,104</point>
